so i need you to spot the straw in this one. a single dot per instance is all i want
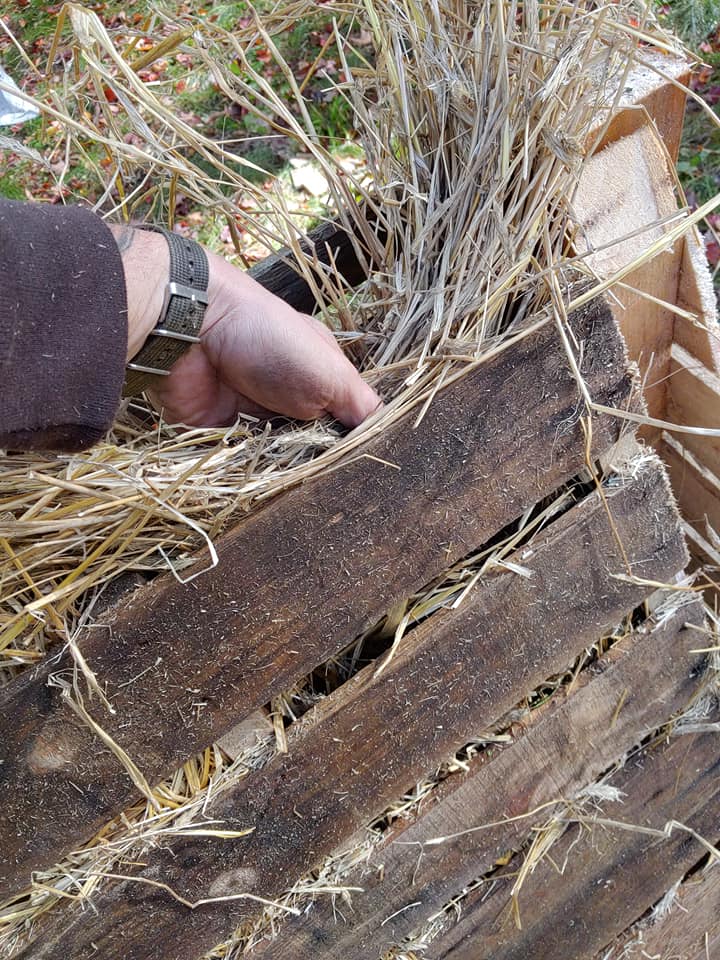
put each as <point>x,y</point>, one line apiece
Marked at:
<point>474,118</point>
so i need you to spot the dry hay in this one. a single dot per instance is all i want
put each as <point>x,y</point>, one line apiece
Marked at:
<point>475,119</point>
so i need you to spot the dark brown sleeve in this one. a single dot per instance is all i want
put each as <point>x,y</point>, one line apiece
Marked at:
<point>63,327</point>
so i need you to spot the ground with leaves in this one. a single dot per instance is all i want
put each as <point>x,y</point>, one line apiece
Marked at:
<point>308,48</point>
<point>310,51</point>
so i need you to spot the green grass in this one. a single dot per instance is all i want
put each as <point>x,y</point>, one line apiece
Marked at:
<point>34,25</point>
<point>12,184</point>
<point>693,20</point>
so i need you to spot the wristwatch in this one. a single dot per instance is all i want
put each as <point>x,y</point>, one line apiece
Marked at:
<point>181,317</point>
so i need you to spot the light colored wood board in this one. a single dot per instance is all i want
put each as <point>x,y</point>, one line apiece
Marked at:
<point>688,928</point>
<point>696,294</point>
<point>694,400</point>
<point>704,552</point>
<point>626,188</point>
<point>298,581</point>
<point>362,747</point>
<point>246,734</point>
<point>649,96</point>
<point>697,490</point>
<point>610,876</point>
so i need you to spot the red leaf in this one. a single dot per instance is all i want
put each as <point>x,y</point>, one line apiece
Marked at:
<point>712,249</point>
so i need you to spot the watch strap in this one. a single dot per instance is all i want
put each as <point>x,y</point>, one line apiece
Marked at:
<point>181,317</point>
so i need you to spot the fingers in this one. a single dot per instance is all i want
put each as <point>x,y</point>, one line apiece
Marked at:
<point>276,358</point>
<point>353,400</point>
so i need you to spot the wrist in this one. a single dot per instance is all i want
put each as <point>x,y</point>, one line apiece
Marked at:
<point>146,265</point>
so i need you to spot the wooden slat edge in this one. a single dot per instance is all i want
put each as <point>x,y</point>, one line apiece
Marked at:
<point>354,755</point>
<point>627,190</point>
<point>696,294</point>
<point>695,401</point>
<point>697,489</point>
<point>610,876</point>
<point>685,924</point>
<point>648,95</point>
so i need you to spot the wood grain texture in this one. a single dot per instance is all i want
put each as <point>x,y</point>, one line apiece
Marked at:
<point>694,400</point>
<point>625,190</point>
<point>689,929</point>
<point>696,294</point>
<point>563,747</point>
<point>297,581</point>
<point>697,490</point>
<point>377,734</point>
<point>612,875</point>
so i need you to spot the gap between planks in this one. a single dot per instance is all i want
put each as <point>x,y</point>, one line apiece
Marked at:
<point>344,548</point>
<point>360,749</point>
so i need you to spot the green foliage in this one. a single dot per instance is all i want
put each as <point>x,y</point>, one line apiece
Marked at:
<point>11,186</point>
<point>693,20</point>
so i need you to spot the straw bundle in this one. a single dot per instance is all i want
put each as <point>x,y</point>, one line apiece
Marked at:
<point>475,119</point>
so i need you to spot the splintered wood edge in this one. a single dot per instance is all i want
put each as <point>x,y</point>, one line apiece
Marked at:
<point>642,496</point>
<point>610,876</point>
<point>686,922</point>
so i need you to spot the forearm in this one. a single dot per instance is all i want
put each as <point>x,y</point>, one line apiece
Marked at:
<point>63,327</point>
<point>146,265</point>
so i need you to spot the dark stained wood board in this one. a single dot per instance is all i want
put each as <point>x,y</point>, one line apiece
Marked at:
<point>564,746</point>
<point>377,734</point>
<point>327,243</point>
<point>688,930</point>
<point>297,581</point>
<point>612,875</point>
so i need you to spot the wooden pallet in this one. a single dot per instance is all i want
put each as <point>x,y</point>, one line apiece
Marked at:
<point>301,579</point>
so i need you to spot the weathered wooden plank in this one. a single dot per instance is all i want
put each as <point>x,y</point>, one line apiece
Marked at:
<point>377,734</point>
<point>696,488</point>
<point>570,743</point>
<point>696,294</point>
<point>299,580</point>
<point>695,401</point>
<point>688,928</point>
<point>611,875</point>
<point>625,192</point>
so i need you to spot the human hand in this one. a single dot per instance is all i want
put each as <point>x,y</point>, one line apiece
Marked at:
<point>256,354</point>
